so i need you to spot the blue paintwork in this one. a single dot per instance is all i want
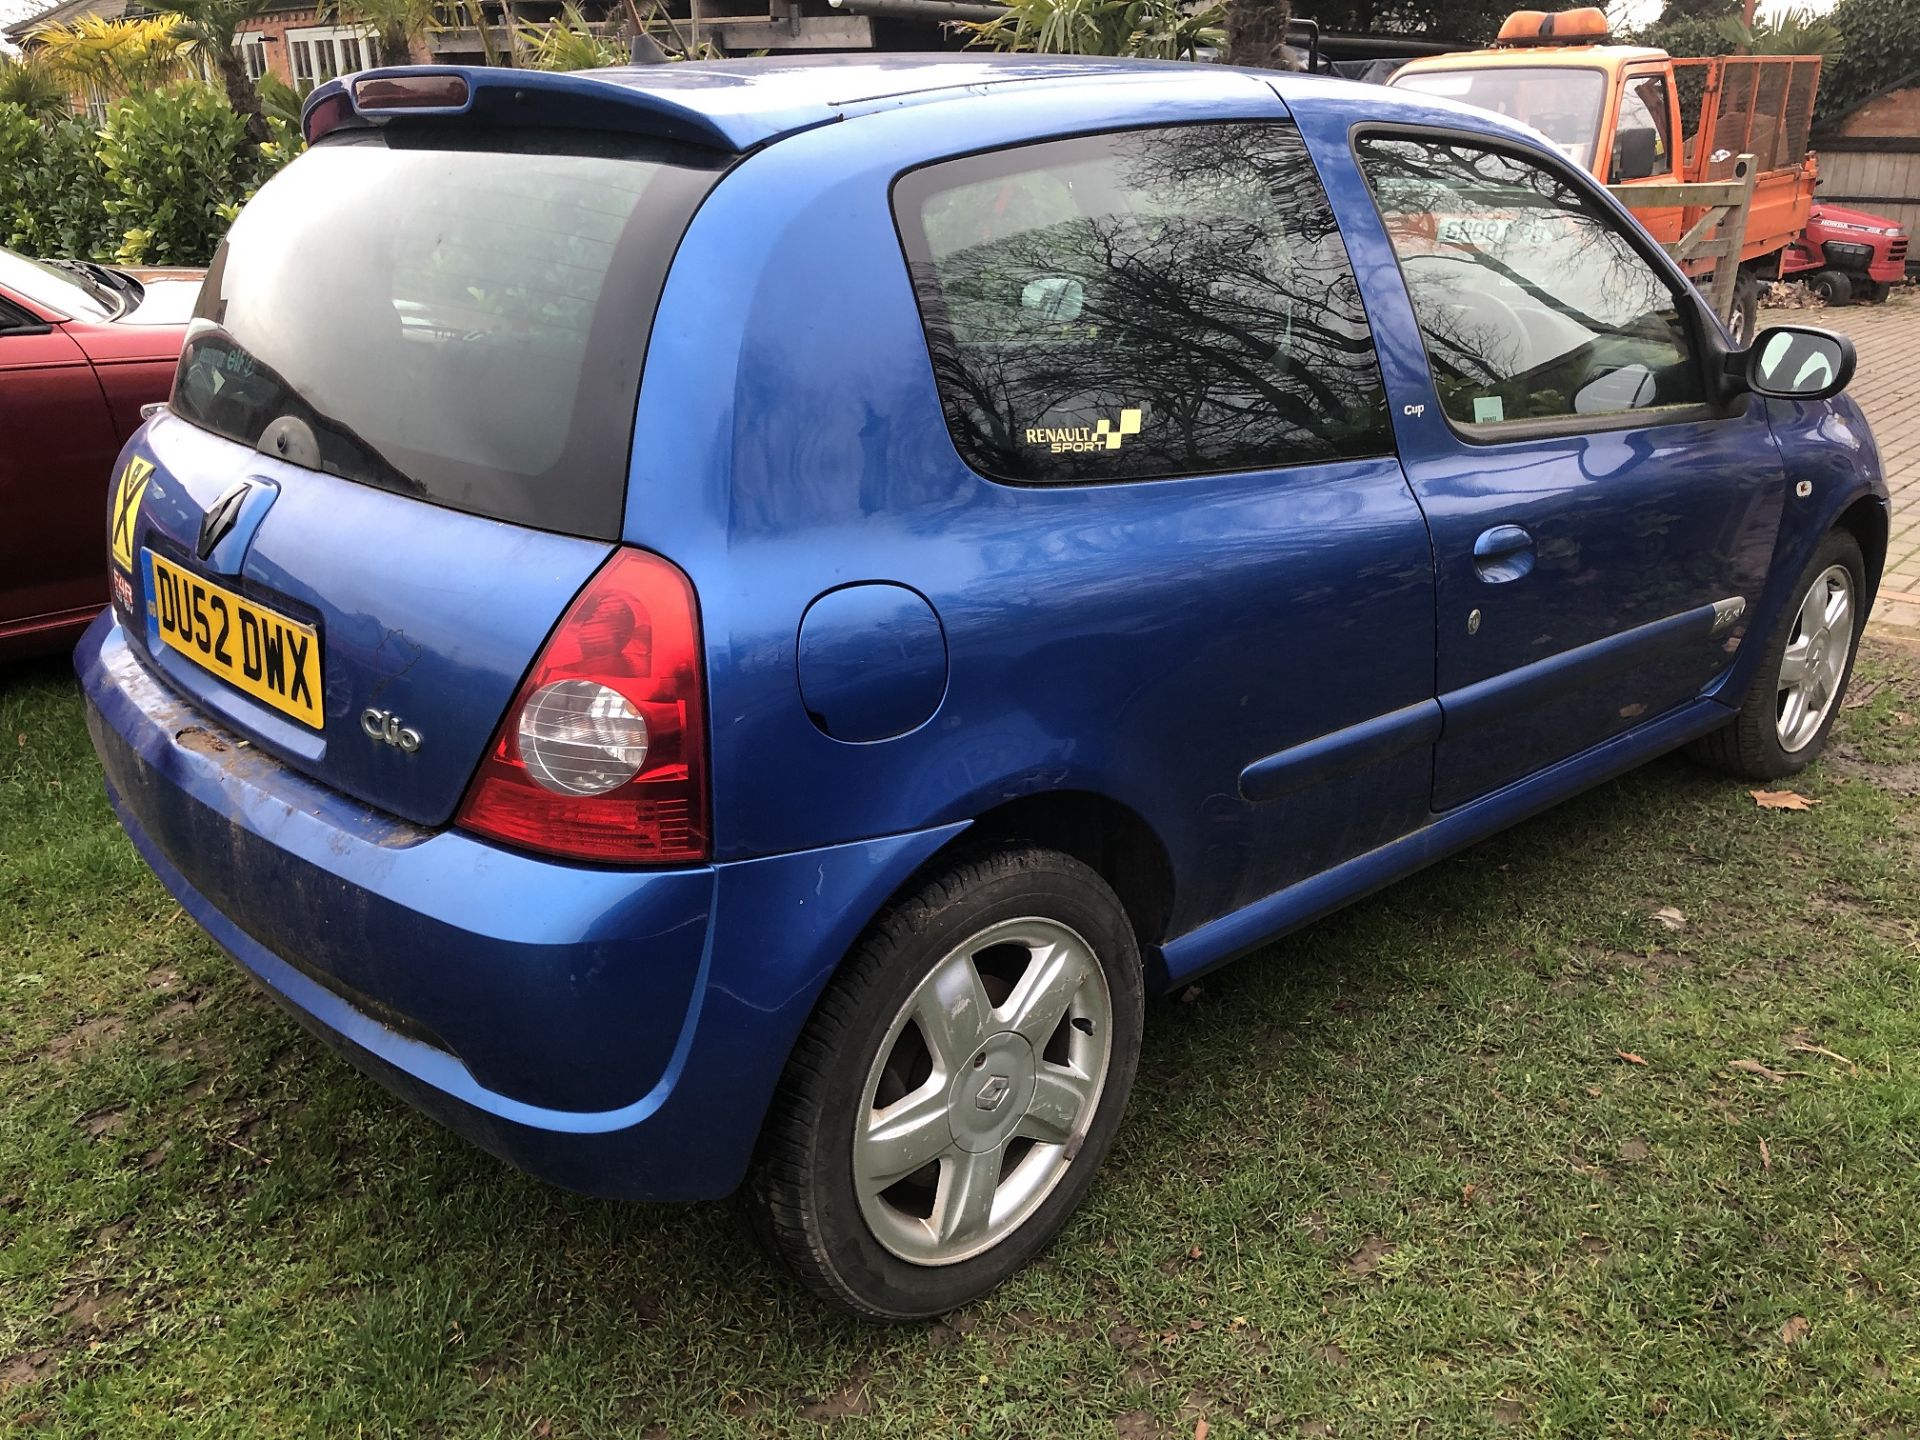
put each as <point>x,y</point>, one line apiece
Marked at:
<point>739,107</point>
<point>1248,928</point>
<point>872,662</point>
<point>595,1026</point>
<point>1271,671</point>
<point>1341,753</point>
<point>395,606</point>
<point>1629,527</point>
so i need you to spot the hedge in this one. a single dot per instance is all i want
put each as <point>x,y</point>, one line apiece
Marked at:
<point>158,184</point>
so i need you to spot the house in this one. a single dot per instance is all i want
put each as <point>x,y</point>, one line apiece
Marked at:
<point>302,47</point>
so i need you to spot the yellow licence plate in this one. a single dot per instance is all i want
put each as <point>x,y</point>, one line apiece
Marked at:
<point>252,648</point>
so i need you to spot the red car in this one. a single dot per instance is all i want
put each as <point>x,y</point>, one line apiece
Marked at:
<point>82,348</point>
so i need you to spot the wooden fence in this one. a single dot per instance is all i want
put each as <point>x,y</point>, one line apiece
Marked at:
<point>1717,212</point>
<point>1876,173</point>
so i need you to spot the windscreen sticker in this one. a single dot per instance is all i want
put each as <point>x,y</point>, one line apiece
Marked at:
<point>1487,409</point>
<point>1106,435</point>
<point>126,505</point>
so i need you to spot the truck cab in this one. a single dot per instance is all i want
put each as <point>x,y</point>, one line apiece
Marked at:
<point>1638,117</point>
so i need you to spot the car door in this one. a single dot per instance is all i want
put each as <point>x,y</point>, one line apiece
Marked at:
<point>57,449</point>
<point>1601,527</point>
<point>1644,151</point>
<point>1151,346</point>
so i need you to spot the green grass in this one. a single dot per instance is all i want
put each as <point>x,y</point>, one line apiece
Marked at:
<point>1391,1177</point>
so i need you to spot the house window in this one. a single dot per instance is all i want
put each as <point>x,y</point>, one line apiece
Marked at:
<point>252,49</point>
<point>321,53</point>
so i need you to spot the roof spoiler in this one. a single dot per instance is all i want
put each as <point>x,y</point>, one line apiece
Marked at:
<point>491,96</point>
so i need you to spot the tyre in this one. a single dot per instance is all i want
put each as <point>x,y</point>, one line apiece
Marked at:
<point>958,1084</point>
<point>1745,319</point>
<point>1782,726</point>
<point>1832,287</point>
<point>1875,292</point>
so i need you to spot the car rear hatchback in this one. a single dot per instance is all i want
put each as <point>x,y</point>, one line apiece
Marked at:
<point>371,614</point>
<point>397,695</point>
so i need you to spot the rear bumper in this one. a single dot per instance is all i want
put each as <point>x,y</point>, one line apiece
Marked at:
<point>616,1032</point>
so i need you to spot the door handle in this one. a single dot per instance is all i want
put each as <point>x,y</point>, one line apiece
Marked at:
<point>1503,553</point>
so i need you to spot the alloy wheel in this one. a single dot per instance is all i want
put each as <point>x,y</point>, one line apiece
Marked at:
<point>1815,660</point>
<point>983,1091</point>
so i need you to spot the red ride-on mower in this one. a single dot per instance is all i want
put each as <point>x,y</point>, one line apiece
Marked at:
<point>1846,255</point>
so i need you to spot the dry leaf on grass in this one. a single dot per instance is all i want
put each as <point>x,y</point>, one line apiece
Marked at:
<point>1766,1155</point>
<point>1781,800</point>
<point>1630,1057</point>
<point>1795,1330</point>
<point>1765,1072</point>
<point>1807,1048</point>
<point>1670,917</point>
<point>1200,1429</point>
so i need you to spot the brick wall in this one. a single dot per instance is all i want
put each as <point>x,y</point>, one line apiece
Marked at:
<point>1895,113</point>
<point>272,27</point>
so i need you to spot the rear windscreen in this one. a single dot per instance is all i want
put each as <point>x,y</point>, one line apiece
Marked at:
<point>455,315</point>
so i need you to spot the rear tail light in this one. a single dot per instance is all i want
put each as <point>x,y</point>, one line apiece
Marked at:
<point>325,116</point>
<point>603,753</point>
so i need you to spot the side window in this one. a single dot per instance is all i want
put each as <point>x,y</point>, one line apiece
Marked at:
<point>1150,303</point>
<point>1641,145</point>
<point>14,320</point>
<point>1533,303</point>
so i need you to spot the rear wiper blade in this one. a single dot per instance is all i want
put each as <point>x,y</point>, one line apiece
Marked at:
<point>123,288</point>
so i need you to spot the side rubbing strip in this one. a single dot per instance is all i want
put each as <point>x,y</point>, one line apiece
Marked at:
<point>1501,696</point>
<point>1341,752</point>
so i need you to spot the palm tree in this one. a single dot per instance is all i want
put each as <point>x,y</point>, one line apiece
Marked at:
<point>116,57</point>
<point>1792,32</point>
<point>474,14</point>
<point>565,44</point>
<point>1160,29</point>
<point>1257,33</point>
<point>397,23</point>
<point>36,87</point>
<point>213,24</point>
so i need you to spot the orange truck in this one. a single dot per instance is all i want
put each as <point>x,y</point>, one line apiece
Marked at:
<point>1634,115</point>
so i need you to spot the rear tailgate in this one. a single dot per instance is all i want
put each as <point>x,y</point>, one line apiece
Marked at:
<point>424,614</point>
<point>398,441</point>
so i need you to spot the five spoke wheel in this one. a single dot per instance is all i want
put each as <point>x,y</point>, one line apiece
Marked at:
<point>1815,660</point>
<point>982,1091</point>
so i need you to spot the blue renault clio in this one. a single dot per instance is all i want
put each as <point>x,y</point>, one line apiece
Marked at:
<point>721,626</point>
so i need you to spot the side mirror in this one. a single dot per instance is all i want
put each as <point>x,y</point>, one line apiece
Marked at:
<point>1636,154</point>
<point>1798,362</point>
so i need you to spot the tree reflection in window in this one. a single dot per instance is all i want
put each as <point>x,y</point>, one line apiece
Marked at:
<point>1157,302</point>
<point>1532,302</point>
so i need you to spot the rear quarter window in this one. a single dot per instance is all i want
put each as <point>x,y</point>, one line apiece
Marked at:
<point>1147,303</point>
